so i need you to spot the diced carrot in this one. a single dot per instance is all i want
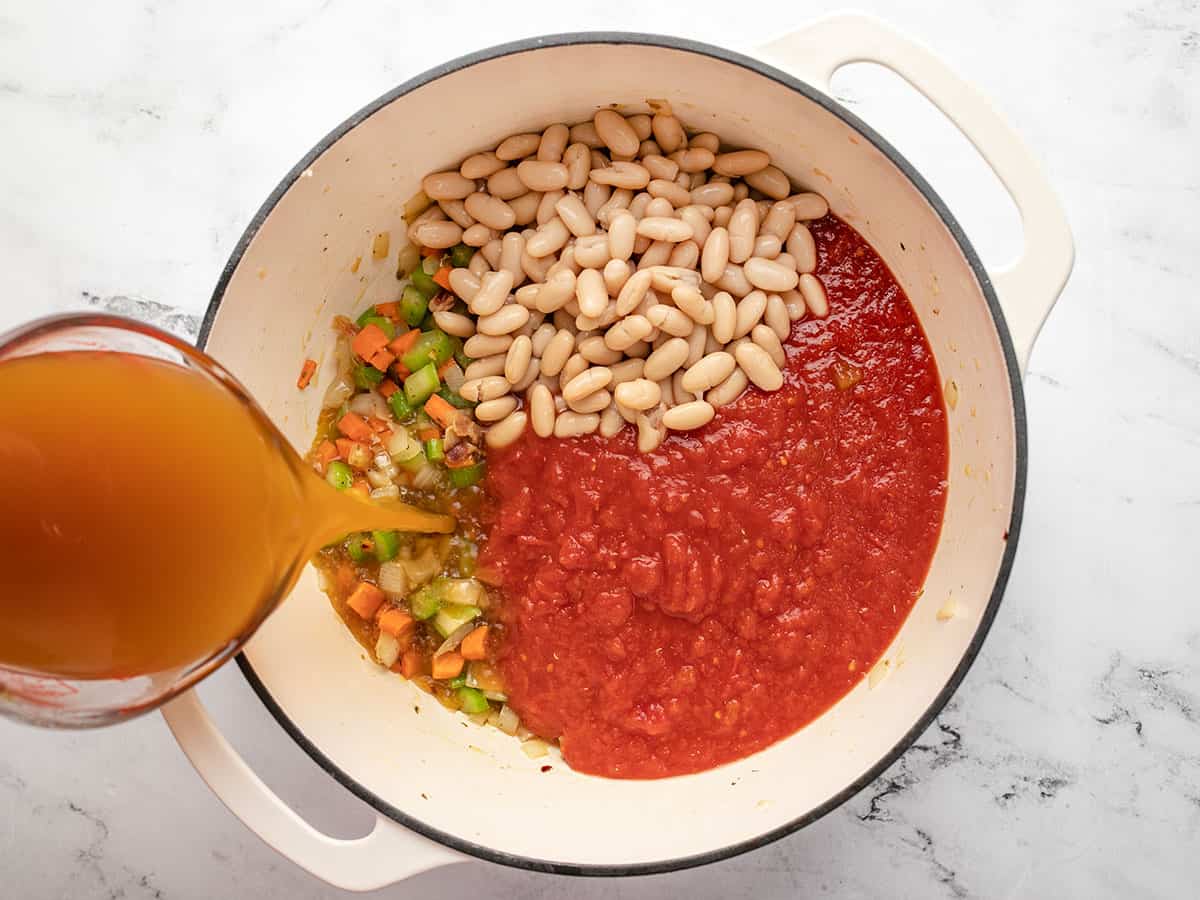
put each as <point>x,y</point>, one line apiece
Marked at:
<point>427,252</point>
<point>361,488</point>
<point>396,621</point>
<point>382,359</point>
<point>401,371</point>
<point>327,452</point>
<point>446,367</point>
<point>428,433</point>
<point>345,447</point>
<point>412,663</point>
<point>365,599</point>
<point>378,425</point>
<point>440,410</point>
<point>387,387</point>
<point>442,277</point>
<point>448,665</point>
<point>352,425</point>
<point>369,341</point>
<point>307,371</point>
<point>474,645</point>
<point>391,310</point>
<point>402,344</point>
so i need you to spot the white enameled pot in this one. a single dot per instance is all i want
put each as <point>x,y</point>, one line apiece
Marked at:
<point>443,790</point>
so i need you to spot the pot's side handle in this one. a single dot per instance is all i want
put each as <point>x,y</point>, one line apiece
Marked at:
<point>1027,289</point>
<point>389,853</point>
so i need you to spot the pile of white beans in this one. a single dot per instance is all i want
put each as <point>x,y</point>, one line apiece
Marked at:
<point>624,274</point>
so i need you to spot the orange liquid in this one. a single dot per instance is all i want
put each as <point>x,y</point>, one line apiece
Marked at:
<point>147,516</point>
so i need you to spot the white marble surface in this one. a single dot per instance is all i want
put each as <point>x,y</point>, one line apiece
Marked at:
<point>139,139</point>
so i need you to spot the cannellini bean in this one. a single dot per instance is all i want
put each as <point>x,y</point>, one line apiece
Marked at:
<point>531,375</point>
<point>767,339</point>
<point>814,295</point>
<point>660,166</point>
<point>506,184</point>
<point>494,288</point>
<point>616,272</point>
<point>455,324</point>
<point>447,186</point>
<point>780,220</point>
<point>592,252</point>
<point>438,235</point>
<point>722,215</point>
<point>639,204</point>
<point>743,228</point>
<point>547,206</point>
<point>724,317</point>
<point>769,275</point>
<point>585,133</point>
<point>758,366</point>
<point>537,268</point>
<point>715,256</point>
<point>767,246</point>
<point>505,321</point>
<point>749,310</point>
<point>610,421</point>
<point>481,345</point>
<point>594,350</point>
<point>456,211</point>
<point>578,160</point>
<point>685,255</point>
<point>622,230</point>
<point>668,133</point>
<point>549,238</point>
<point>662,189</point>
<point>558,351</point>
<point>575,215</point>
<point>770,181</point>
<point>689,299</point>
<point>592,403</point>
<point>687,416</point>
<point>638,394</point>
<point>489,387</point>
<point>740,163</point>
<point>633,292</point>
<point>802,247</point>
<point>573,424</point>
<point>490,211</point>
<point>728,390</point>
<point>556,291</point>
<point>809,206</point>
<point>697,343</point>
<point>658,207</point>
<point>516,362</point>
<point>707,140</point>
<point>666,359</point>
<point>627,332</point>
<point>553,143</point>
<point>740,191</point>
<point>541,410</point>
<point>464,284</point>
<point>591,292</point>
<point>628,175</point>
<point>599,198</point>
<point>495,410</point>
<point>506,431</point>
<point>651,430</point>
<point>701,229</point>
<point>525,207</point>
<point>616,133</point>
<point>776,317</point>
<point>670,320</point>
<point>540,339</point>
<point>708,372</point>
<point>794,302</point>
<point>692,160</point>
<point>626,370</point>
<point>734,281</point>
<point>491,252</point>
<point>663,229</point>
<point>713,194</point>
<point>656,254</point>
<point>539,175</point>
<point>527,296</point>
<point>518,146</point>
<point>478,235</point>
<point>512,249</point>
<point>485,366</point>
<point>481,165</point>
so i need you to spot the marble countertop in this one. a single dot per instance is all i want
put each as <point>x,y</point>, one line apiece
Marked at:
<point>140,138</point>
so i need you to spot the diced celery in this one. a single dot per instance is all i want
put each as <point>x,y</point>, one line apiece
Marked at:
<point>452,616</point>
<point>472,700</point>
<point>421,384</point>
<point>365,316</point>
<point>424,283</point>
<point>367,377</point>
<point>466,476</point>
<point>413,305</point>
<point>434,451</point>
<point>387,544</point>
<point>460,255</point>
<point>432,346</point>
<point>454,398</point>
<point>401,408</point>
<point>424,604</point>
<point>340,475</point>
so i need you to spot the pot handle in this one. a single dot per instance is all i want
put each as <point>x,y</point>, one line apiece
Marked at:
<point>389,853</point>
<point>1029,287</point>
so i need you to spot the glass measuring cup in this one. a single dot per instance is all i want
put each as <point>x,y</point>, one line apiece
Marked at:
<point>151,517</point>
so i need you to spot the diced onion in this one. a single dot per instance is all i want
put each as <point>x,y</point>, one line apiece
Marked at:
<point>422,569</point>
<point>453,377</point>
<point>408,259</point>
<point>462,591</point>
<point>387,650</point>
<point>426,477</point>
<point>391,492</point>
<point>455,638</point>
<point>401,445</point>
<point>535,749</point>
<point>393,577</point>
<point>508,722</point>
<point>369,404</point>
<point>339,391</point>
<point>378,479</point>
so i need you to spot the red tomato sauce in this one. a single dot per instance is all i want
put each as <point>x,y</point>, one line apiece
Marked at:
<point>670,612</point>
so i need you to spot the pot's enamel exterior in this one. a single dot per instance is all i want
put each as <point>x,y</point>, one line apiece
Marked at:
<point>473,789</point>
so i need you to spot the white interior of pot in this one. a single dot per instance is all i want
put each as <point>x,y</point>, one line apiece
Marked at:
<point>475,783</point>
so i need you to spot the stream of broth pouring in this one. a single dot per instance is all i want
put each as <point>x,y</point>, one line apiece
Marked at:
<point>148,517</point>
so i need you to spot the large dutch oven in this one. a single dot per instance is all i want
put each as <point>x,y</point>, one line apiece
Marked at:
<point>443,791</point>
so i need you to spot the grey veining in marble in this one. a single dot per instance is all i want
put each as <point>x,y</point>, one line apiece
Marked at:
<point>139,140</point>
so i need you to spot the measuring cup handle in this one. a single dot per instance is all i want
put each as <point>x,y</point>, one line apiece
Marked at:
<point>1029,287</point>
<point>389,853</point>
